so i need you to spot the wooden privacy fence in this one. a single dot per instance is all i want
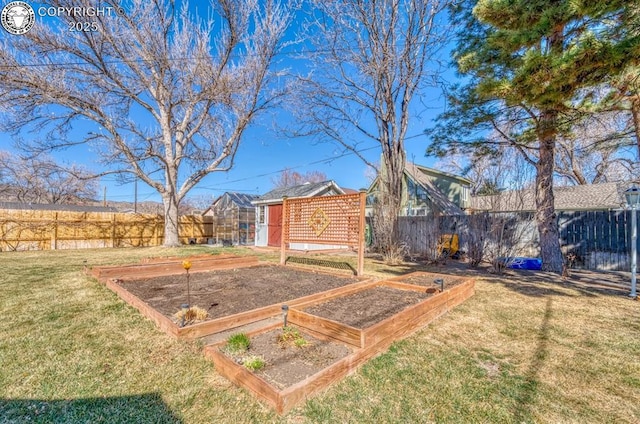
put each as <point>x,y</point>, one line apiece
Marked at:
<point>589,239</point>
<point>50,230</point>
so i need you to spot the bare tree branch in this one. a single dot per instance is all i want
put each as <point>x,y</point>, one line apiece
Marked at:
<point>168,95</point>
<point>370,60</point>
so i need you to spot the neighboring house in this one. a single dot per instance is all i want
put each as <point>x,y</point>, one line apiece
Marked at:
<point>268,210</point>
<point>426,190</point>
<point>234,218</point>
<point>55,207</point>
<point>593,197</point>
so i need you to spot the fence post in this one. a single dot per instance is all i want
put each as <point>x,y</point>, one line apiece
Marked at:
<point>361,225</point>
<point>157,231</point>
<point>285,232</point>
<point>113,230</point>
<point>54,232</point>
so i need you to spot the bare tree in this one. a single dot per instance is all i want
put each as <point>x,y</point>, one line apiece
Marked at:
<point>169,95</point>
<point>369,62</point>
<point>624,95</point>
<point>42,180</point>
<point>289,178</point>
<point>492,173</point>
<point>591,152</point>
<point>194,204</point>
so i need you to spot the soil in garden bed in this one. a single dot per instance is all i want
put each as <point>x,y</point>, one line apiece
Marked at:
<point>227,292</point>
<point>367,307</point>
<point>286,363</point>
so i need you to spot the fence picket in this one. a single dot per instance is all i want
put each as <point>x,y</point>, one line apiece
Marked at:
<point>598,239</point>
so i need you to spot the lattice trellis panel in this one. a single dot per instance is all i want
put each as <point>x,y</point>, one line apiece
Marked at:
<point>334,220</point>
<point>322,220</point>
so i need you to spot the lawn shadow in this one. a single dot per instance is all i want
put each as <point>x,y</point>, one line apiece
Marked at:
<point>148,407</point>
<point>532,283</point>
<point>526,397</point>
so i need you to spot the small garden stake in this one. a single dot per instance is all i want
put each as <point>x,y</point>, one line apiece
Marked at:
<point>185,309</point>
<point>285,312</point>
<point>186,264</point>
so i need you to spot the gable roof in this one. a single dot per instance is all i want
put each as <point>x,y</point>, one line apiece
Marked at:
<point>436,172</point>
<point>303,190</point>
<point>572,198</point>
<point>55,207</point>
<point>241,199</point>
<point>438,198</point>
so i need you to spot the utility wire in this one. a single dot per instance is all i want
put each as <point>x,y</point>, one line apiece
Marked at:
<point>266,174</point>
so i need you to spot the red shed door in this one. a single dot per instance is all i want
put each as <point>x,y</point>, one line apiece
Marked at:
<point>275,225</point>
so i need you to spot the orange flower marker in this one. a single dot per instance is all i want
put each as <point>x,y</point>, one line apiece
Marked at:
<point>186,264</point>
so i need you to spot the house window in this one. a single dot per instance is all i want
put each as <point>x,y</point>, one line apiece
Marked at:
<point>417,194</point>
<point>465,194</point>
<point>261,214</point>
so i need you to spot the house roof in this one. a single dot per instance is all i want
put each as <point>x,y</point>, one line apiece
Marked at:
<point>303,190</point>
<point>55,207</point>
<point>572,198</point>
<point>438,198</point>
<point>436,172</point>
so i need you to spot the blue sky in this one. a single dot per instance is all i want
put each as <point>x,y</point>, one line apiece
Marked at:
<point>264,153</point>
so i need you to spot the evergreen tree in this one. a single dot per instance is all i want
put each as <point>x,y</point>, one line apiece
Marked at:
<point>525,63</point>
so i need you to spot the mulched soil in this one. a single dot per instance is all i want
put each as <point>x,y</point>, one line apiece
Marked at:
<point>287,364</point>
<point>227,292</point>
<point>367,307</point>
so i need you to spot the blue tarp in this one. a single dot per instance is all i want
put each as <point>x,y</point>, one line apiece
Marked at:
<point>534,264</point>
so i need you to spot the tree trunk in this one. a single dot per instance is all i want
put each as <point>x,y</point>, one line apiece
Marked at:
<point>545,210</point>
<point>171,233</point>
<point>388,207</point>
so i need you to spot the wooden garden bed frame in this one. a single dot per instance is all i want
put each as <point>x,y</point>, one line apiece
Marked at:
<point>157,267</point>
<point>367,342</point>
<point>111,276</point>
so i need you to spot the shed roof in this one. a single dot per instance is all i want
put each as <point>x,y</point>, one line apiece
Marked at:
<point>572,198</point>
<point>243,200</point>
<point>303,190</point>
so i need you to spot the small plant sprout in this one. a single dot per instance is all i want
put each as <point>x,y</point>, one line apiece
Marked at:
<point>238,343</point>
<point>186,264</point>
<point>291,337</point>
<point>254,363</point>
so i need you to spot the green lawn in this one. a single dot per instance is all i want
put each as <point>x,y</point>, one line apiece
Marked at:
<point>518,351</point>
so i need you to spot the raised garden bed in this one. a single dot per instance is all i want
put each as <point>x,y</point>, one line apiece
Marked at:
<point>346,320</point>
<point>287,362</point>
<point>232,297</point>
<point>366,342</point>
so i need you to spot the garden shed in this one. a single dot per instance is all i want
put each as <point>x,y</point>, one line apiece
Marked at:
<point>234,219</point>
